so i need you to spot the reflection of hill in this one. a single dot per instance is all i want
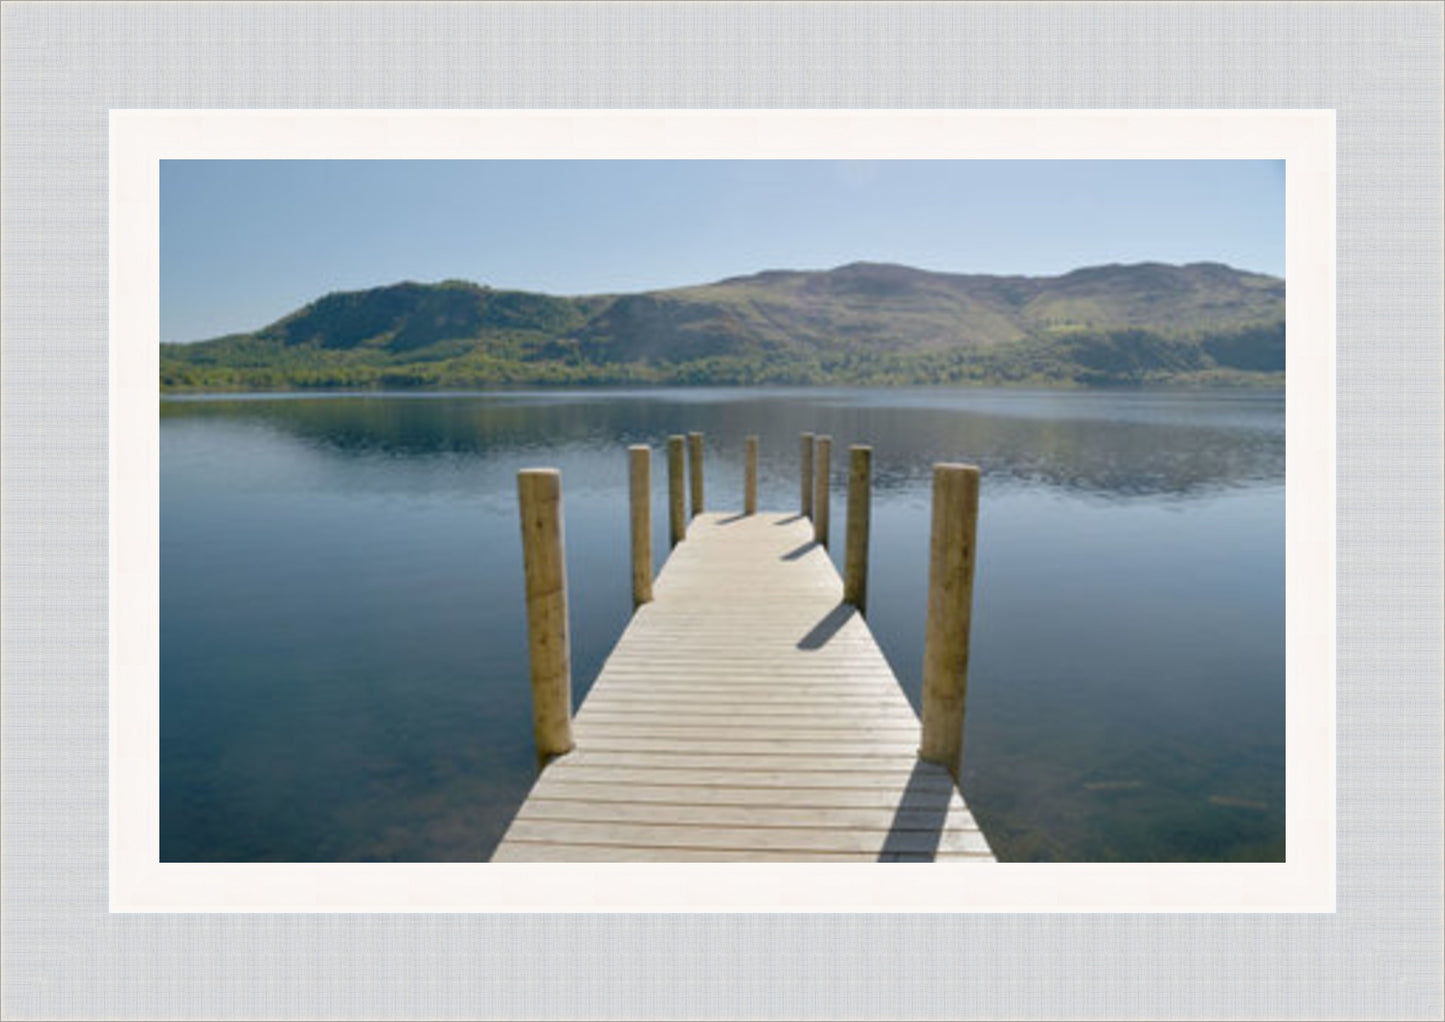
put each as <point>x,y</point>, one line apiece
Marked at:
<point>1102,457</point>
<point>1101,445</point>
<point>423,426</point>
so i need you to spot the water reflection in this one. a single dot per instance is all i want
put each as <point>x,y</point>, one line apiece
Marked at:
<point>343,661</point>
<point>1117,445</point>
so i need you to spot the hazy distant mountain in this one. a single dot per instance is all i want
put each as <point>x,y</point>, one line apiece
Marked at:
<point>865,322</point>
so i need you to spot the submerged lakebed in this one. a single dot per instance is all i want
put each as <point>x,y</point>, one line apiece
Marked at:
<point>343,640</point>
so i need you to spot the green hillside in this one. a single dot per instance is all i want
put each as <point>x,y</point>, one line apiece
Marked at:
<point>861,323</point>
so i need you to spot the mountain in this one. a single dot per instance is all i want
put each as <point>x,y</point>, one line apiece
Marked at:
<point>864,323</point>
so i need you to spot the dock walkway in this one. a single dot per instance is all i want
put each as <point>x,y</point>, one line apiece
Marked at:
<point>746,714</point>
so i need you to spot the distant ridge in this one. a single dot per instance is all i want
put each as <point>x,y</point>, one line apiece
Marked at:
<point>859,323</point>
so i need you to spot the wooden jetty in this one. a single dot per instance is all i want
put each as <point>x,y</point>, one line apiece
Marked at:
<point>746,713</point>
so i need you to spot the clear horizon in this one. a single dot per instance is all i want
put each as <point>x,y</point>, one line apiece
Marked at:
<point>245,242</point>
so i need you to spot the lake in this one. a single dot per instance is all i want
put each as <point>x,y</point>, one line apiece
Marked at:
<point>343,640</point>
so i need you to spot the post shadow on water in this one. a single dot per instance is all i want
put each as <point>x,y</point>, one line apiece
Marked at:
<point>918,821</point>
<point>820,634</point>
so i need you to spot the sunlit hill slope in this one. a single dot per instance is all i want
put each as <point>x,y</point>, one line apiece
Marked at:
<point>861,323</point>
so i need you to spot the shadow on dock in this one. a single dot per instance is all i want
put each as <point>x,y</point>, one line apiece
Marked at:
<point>802,550</point>
<point>825,629</point>
<point>730,519</point>
<point>789,520</point>
<point>922,812</point>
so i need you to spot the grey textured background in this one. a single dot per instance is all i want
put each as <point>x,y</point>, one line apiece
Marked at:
<point>65,65</point>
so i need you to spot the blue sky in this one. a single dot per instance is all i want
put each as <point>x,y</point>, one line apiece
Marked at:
<point>243,242</point>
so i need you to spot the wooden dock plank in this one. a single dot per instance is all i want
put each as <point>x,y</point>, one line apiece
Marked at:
<point>694,712</point>
<point>746,714</point>
<point>776,773</point>
<point>581,809</point>
<point>744,838</point>
<point>858,797</point>
<point>517,850</point>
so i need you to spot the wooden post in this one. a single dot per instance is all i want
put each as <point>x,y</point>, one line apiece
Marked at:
<point>821,464</point>
<point>639,458</point>
<point>855,561</point>
<point>676,503</point>
<point>694,451</point>
<point>950,607</point>
<point>807,475</point>
<point>539,492</point>
<point>750,477</point>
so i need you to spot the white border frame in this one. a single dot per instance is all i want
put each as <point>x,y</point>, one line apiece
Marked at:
<point>139,882</point>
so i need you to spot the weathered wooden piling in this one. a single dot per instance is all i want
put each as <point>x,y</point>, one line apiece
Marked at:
<point>639,463</point>
<point>750,477</point>
<point>822,461</point>
<point>694,451</point>
<point>676,498</point>
<point>950,606</point>
<point>855,559</point>
<point>806,475</point>
<point>539,493</point>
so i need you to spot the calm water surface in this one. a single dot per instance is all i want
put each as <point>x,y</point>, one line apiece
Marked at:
<point>343,647</point>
